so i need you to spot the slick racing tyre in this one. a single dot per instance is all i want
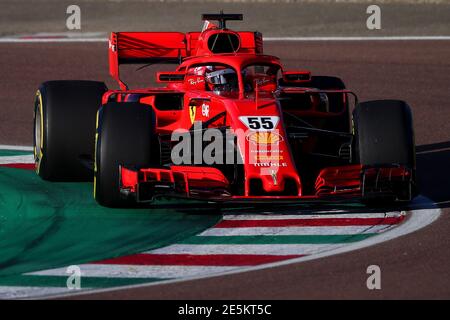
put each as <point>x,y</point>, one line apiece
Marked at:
<point>384,134</point>
<point>64,128</point>
<point>327,83</point>
<point>125,136</point>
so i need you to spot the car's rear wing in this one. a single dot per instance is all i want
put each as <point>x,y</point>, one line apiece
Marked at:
<point>144,47</point>
<point>163,47</point>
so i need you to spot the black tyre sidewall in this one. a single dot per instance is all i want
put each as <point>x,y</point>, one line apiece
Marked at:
<point>68,111</point>
<point>327,83</point>
<point>384,133</point>
<point>126,136</point>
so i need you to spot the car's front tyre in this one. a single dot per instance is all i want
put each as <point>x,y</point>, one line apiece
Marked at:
<point>384,136</point>
<point>125,136</point>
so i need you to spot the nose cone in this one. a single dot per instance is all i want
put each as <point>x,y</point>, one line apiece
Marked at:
<point>269,167</point>
<point>268,164</point>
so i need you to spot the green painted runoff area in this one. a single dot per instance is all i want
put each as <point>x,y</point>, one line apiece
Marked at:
<point>47,225</point>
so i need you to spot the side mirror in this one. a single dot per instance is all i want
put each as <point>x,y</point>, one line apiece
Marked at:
<point>296,77</point>
<point>174,76</point>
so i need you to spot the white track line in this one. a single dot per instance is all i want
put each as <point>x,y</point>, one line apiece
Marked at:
<point>255,249</point>
<point>268,39</point>
<point>138,271</point>
<point>323,215</point>
<point>17,159</point>
<point>288,231</point>
<point>17,148</point>
<point>381,38</point>
<point>49,40</point>
<point>13,292</point>
<point>418,219</point>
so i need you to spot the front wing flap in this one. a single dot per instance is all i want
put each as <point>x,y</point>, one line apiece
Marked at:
<point>206,183</point>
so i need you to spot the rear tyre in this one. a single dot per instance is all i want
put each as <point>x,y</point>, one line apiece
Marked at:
<point>384,135</point>
<point>125,136</point>
<point>327,83</point>
<point>64,128</point>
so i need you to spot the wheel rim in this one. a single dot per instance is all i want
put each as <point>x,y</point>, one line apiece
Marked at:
<point>38,131</point>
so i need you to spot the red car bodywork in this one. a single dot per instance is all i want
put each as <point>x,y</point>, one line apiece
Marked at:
<point>282,181</point>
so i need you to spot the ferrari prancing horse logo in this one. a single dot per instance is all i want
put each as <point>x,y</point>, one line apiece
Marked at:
<point>192,111</point>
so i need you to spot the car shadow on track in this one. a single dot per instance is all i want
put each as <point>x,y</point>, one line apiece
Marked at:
<point>433,172</point>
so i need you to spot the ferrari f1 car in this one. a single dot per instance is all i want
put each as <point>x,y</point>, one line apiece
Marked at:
<point>228,124</point>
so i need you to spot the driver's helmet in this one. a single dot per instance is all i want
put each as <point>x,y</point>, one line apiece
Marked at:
<point>223,80</point>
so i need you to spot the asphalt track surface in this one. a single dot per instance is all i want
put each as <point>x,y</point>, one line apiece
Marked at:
<point>271,17</point>
<point>413,266</point>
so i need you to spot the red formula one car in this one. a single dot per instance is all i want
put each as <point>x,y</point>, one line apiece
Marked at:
<point>230,124</point>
